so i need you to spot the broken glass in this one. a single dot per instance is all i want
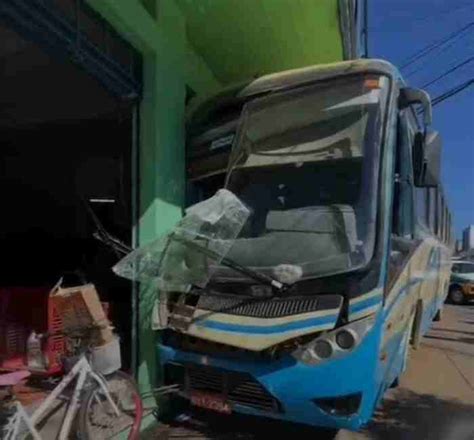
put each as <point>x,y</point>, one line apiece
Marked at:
<point>187,255</point>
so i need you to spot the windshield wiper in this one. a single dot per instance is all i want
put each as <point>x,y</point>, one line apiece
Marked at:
<point>257,276</point>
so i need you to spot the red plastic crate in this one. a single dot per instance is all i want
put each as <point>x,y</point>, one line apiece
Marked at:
<point>55,345</point>
<point>22,310</point>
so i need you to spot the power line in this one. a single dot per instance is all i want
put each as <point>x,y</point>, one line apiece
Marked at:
<point>435,45</point>
<point>452,92</point>
<point>423,66</point>
<point>448,72</point>
<point>366,27</point>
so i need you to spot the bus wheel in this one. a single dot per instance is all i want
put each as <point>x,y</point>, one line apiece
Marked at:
<point>456,296</point>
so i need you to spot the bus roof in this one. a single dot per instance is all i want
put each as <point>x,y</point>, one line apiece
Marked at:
<point>288,79</point>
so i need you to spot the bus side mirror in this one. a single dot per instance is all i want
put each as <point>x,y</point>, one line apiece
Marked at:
<point>427,145</point>
<point>427,159</point>
<point>409,96</point>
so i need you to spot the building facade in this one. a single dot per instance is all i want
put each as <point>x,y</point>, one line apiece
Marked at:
<point>468,238</point>
<point>186,48</point>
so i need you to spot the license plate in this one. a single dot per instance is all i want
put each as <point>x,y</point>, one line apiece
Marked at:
<point>210,401</point>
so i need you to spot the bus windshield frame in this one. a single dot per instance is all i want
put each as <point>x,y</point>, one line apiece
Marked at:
<point>340,127</point>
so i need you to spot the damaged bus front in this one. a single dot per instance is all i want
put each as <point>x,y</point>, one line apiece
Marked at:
<point>304,155</point>
<point>287,321</point>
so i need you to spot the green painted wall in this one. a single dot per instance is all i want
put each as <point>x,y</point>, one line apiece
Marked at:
<point>169,64</point>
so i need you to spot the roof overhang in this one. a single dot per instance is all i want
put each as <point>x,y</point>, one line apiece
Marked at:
<point>245,39</point>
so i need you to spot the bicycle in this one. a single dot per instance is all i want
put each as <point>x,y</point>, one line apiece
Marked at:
<point>13,423</point>
<point>92,392</point>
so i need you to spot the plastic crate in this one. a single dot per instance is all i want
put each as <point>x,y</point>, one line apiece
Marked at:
<point>55,347</point>
<point>22,310</point>
<point>12,347</point>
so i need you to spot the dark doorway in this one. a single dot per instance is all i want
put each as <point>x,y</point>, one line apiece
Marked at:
<point>66,146</point>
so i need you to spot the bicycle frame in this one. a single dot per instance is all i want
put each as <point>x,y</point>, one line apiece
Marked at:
<point>82,369</point>
<point>13,426</point>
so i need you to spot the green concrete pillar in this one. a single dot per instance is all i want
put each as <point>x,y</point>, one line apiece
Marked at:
<point>157,31</point>
<point>161,182</point>
<point>161,138</point>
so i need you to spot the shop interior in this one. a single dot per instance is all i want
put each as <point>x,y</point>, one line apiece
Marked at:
<point>66,148</point>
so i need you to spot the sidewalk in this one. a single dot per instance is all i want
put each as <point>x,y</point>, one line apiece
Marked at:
<point>435,400</point>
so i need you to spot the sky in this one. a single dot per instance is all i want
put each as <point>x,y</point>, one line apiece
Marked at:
<point>400,28</point>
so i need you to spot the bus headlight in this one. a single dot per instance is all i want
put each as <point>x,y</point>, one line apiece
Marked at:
<point>336,343</point>
<point>346,339</point>
<point>323,349</point>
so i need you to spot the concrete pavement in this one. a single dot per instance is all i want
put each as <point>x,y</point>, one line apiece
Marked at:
<point>435,400</point>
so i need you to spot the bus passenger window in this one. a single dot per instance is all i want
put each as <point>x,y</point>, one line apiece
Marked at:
<point>402,215</point>
<point>432,196</point>
<point>421,199</point>
<point>403,191</point>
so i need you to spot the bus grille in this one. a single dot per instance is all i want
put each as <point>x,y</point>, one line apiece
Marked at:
<point>268,308</point>
<point>237,388</point>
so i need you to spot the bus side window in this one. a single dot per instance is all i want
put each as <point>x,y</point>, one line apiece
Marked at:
<point>403,194</point>
<point>403,209</point>
<point>432,204</point>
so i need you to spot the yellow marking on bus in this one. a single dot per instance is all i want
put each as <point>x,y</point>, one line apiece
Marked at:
<point>376,292</point>
<point>248,341</point>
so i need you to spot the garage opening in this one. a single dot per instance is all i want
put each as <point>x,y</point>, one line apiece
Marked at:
<point>66,148</point>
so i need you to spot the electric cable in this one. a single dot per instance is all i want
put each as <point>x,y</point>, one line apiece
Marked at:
<point>448,72</point>
<point>438,53</point>
<point>452,92</point>
<point>435,45</point>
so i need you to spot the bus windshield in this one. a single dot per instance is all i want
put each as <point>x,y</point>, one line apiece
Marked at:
<point>306,163</point>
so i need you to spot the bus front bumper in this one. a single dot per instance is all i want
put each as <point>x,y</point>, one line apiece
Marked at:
<point>336,394</point>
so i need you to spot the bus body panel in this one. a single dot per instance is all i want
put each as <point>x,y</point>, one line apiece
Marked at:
<point>422,282</point>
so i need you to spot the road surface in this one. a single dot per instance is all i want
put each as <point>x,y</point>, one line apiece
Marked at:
<point>435,400</point>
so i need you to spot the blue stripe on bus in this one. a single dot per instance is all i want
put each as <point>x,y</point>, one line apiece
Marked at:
<point>404,290</point>
<point>365,304</point>
<point>265,330</point>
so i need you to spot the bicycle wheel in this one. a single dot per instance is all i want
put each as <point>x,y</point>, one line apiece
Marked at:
<point>97,419</point>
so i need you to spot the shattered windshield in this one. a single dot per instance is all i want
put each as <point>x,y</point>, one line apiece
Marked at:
<point>300,200</point>
<point>185,256</point>
<point>306,164</point>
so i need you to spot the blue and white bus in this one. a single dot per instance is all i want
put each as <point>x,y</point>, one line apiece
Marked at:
<point>341,172</point>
